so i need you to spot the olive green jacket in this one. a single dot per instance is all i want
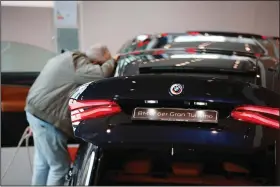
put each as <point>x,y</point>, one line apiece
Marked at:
<point>48,97</point>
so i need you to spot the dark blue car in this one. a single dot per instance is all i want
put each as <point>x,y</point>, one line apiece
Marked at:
<point>178,117</point>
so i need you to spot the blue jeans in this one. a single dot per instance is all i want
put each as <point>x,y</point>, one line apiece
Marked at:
<point>51,157</point>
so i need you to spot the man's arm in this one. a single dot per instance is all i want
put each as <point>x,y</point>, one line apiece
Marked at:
<point>89,72</point>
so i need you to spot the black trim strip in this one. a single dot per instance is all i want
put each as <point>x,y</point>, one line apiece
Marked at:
<point>18,78</point>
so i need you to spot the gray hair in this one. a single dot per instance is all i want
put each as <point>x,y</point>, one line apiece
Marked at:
<point>96,52</point>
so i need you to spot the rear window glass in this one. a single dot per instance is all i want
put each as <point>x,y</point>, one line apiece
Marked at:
<point>210,42</point>
<point>219,45</point>
<point>129,65</point>
<point>22,57</point>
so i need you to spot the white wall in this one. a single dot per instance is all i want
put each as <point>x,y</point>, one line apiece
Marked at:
<point>28,25</point>
<point>115,22</point>
<point>22,26</point>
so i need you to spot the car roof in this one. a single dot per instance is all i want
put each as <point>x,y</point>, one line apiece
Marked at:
<point>189,40</point>
<point>193,50</point>
<point>216,33</point>
<point>144,37</point>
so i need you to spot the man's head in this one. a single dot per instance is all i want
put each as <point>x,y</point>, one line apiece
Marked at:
<point>98,53</point>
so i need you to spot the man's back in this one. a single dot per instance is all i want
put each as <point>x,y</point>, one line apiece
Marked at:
<point>48,96</point>
<point>47,108</point>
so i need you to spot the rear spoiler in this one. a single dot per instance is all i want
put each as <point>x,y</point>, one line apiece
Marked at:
<point>183,69</point>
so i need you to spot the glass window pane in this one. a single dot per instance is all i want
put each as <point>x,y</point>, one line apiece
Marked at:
<point>20,57</point>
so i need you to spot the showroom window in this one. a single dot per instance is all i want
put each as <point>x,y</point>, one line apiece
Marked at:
<point>21,57</point>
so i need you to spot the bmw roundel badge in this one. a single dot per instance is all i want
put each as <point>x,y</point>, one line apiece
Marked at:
<point>176,89</point>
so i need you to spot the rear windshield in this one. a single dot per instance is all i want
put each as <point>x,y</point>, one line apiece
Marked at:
<point>219,45</point>
<point>129,65</point>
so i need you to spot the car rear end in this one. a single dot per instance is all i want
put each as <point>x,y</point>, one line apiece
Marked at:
<point>269,43</point>
<point>177,126</point>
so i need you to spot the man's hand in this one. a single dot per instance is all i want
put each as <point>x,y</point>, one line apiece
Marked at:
<point>116,57</point>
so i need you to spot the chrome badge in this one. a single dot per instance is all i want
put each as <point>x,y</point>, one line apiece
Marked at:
<point>176,89</point>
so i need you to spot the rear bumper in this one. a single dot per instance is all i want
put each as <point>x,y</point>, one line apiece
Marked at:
<point>134,155</point>
<point>98,132</point>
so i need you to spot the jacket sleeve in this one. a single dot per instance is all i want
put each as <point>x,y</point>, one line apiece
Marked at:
<point>90,72</point>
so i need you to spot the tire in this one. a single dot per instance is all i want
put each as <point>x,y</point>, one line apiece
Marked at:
<point>78,164</point>
<point>277,162</point>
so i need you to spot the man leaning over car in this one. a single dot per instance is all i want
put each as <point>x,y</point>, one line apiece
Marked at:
<point>47,108</point>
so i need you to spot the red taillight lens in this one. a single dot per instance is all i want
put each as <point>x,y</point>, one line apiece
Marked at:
<point>158,52</point>
<point>193,33</point>
<point>140,44</point>
<point>82,110</point>
<point>191,50</point>
<point>257,55</point>
<point>253,114</point>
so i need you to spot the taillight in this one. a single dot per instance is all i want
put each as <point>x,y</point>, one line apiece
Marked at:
<point>264,37</point>
<point>257,55</point>
<point>140,44</point>
<point>254,114</point>
<point>191,50</point>
<point>158,52</point>
<point>193,33</point>
<point>82,110</point>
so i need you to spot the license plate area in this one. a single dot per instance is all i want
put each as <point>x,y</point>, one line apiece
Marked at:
<point>175,114</point>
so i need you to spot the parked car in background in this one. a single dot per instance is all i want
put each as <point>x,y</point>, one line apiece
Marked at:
<point>270,43</point>
<point>266,48</point>
<point>272,46</point>
<point>252,43</point>
<point>177,117</point>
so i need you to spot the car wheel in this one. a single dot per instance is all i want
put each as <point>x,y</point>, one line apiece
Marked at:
<point>74,172</point>
<point>277,161</point>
